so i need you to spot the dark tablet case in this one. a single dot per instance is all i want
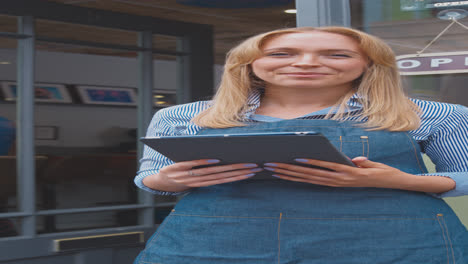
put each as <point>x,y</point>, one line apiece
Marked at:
<point>249,148</point>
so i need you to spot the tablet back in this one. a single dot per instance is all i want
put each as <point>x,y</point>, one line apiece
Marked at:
<point>249,148</point>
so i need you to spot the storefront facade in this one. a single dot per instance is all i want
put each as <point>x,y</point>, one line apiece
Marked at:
<point>79,105</point>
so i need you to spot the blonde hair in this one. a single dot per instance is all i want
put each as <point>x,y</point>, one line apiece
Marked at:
<point>379,89</point>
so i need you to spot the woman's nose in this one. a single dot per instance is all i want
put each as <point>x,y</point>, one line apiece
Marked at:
<point>306,60</point>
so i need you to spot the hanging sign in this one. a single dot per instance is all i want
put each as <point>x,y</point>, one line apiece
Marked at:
<point>433,63</point>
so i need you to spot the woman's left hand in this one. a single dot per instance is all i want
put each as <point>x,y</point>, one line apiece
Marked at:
<point>366,174</point>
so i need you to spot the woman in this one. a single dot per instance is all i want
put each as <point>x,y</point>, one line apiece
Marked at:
<point>344,84</point>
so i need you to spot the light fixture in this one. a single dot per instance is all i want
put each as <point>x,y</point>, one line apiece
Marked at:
<point>290,11</point>
<point>159,96</point>
<point>5,62</point>
<point>450,14</point>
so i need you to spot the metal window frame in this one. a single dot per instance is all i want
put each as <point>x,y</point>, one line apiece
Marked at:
<point>195,62</point>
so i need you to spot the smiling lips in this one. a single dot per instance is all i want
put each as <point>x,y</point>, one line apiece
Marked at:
<point>304,74</point>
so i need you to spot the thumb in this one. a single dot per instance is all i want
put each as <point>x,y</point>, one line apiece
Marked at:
<point>363,162</point>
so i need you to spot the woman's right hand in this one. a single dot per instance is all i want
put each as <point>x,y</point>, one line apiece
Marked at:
<point>181,176</point>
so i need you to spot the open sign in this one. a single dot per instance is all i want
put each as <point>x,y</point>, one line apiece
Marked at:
<point>433,63</point>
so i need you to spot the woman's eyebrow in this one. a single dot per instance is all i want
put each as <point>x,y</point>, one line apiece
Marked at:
<point>279,48</point>
<point>324,50</point>
<point>342,50</point>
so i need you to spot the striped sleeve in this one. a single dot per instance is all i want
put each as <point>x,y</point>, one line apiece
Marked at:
<point>446,143</point>
<point>169,121</point>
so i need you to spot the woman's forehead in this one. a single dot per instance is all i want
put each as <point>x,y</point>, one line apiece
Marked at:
<point>311,38</point>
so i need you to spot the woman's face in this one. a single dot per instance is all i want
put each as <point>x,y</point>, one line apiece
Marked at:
<point>310,60</point>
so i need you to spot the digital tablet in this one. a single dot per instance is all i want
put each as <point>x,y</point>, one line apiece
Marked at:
<point>256,148</point>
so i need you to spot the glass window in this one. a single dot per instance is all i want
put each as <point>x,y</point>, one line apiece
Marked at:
<point>86,82</point>
<point>67,31</point>
<point>8,24</point>
<point>8,186</point>
<point>9,227</point>
<point>83,221</point>
<point>85,121</point>
<point>408,26</point>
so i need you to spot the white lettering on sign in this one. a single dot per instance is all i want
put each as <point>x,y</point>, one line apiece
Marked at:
<point>437,62</point>
<point>412,64</point>
<point>455,3</point>
<point>433,63</point>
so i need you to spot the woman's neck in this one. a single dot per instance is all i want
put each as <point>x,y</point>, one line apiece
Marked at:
<point>291,103</point>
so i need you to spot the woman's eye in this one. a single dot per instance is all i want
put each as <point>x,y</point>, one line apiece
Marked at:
<point>278,54</point>
<point>340,55</point>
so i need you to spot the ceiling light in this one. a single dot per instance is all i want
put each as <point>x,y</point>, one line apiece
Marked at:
<point>290,11</point>
<point>159,96</point>
<point>5,62</point>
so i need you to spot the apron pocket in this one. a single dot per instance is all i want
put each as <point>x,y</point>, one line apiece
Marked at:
<point>352,146</point>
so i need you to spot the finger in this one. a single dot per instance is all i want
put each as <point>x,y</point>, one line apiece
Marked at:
<point>315,181</point>
<point>216,176</point>
<point>222,180</point>
<point>187,165</point>
<point>301,171</point>
<point>322,177</point>
<point>325,164</point>
<point>363,162</point>
<point>223,168</point>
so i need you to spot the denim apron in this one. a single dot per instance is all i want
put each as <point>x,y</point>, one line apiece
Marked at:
<point>279,221</point>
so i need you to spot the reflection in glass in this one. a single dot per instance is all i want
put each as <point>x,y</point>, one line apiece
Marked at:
<point>87,180</point>
<point>412,5</point>
<point>448,88</point>
<point>408,26</point>
<point>9,227</point>
<point>8,201</point>
<point>164,98</point>
<point>90,148</point>
<point>83,221</point>
<point>8,24</point>
<point>425,87</point>
<point>69,31</point>
<point>8,184</point>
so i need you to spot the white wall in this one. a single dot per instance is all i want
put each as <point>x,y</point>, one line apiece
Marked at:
<point>84,125</point>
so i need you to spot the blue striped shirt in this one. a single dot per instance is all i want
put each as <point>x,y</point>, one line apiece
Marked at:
<point>443,135</point>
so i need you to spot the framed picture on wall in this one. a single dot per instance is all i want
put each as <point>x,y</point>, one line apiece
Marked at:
<point>164,98</point>
<point>43,92</point>
<point>107,95</point>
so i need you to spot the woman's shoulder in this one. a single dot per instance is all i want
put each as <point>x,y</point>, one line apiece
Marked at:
<point>176,119</point>
<point>438,109</point>
<point>183,111</point>
<point>436,113</point>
